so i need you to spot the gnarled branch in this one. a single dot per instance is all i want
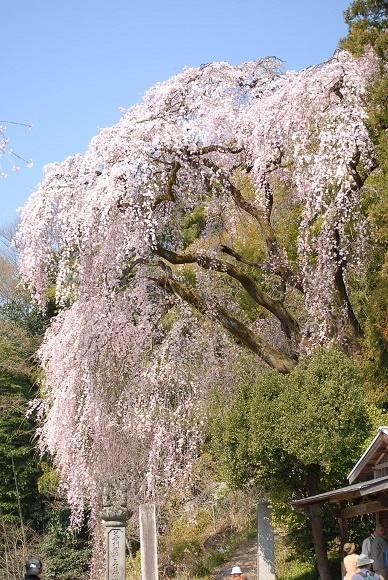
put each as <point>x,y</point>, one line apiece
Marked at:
<point>262,217</point>
<point>168,194</point>
<point>241,333</point>
<point>290,279</point>
<point>289,325</point>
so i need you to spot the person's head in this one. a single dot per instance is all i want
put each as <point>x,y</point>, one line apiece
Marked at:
<point>34,567</point>
<point>349,548</point>
<point>379,530</point>
<point>363,562</point>
<point>236,572</point>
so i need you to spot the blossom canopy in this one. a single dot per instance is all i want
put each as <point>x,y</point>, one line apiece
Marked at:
<point>143,239</point>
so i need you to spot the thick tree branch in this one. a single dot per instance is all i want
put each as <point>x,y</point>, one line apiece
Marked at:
<point>342,293</point>
<point>263,266</point>
<point>290,279</point>
<point>168,194</point>
<point>241,333</point>
<point>358,179</point>
<point>339,278</point>
<point>262,217</point>
<point>289,324</point>
<point>217,149</point>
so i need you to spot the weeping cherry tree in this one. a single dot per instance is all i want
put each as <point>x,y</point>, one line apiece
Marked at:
<point>164,248</point>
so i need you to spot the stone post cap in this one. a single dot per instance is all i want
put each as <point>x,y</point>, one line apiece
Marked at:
<point>114,502</point>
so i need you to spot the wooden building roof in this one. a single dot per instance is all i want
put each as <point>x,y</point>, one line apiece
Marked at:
<point>369,476</point>
<point>374,461</point>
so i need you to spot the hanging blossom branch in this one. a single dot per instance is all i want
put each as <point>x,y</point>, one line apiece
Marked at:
<point>5,149</point>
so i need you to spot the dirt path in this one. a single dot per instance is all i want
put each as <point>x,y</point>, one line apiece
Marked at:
<point>245,557</point>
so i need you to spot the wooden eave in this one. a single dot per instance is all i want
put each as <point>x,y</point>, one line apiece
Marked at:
<point>357,490</point>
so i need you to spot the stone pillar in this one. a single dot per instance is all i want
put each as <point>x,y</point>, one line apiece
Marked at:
<point>148,542</point>
<point>265,543</point>
<point>114,514</point>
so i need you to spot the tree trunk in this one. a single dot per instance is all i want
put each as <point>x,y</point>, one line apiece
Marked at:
<point>319,543</point>
<point>313,487</point>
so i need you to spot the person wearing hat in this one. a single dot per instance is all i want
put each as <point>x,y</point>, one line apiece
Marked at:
<point>350,560</point>
<point>363,569</point>
<point>236,573</point>
<point>33,569</point>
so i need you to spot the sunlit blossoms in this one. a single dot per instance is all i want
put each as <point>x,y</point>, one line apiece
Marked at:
<point>149,240</point>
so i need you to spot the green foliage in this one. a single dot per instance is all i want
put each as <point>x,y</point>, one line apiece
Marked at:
<point>65,554</point>
<point>322,403</point>
<point>367,21</point>
<point>371,300</point>
<point>18,464</point>
<point>185,548</point>
<point>374,295</point>
<point>26,485</point>
<point>288,567</point>
<point>133,566</point>
<point>192,225</point>
<point>293,435</point>
<point>286,220</point>
<point>48,482</point>
<point>20,328</point>
<point>184,539</point>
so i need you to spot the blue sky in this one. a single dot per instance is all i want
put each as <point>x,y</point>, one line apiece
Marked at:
<point>67,66</point>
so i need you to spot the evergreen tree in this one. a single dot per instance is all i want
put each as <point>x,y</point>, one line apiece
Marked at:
<point>293,436</point>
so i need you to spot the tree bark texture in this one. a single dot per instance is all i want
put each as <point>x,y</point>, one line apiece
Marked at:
<point>319,543</point>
